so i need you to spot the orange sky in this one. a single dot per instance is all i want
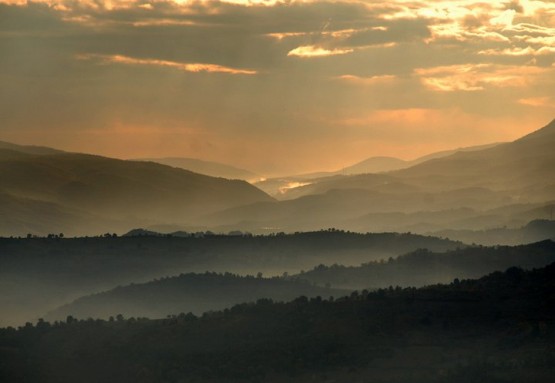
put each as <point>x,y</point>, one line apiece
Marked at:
<point>272,86</point>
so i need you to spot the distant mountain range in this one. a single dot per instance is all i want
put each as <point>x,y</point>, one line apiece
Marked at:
<point>278,187</point>
<point>467,190</point>
<point>44,190</point>
<point>386,164</point>
<point>209,168</point>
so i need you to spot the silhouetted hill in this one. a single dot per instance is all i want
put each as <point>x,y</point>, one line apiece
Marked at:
<point>196,293</point>
<point>131,193</point>
<point>375,165</point>
<point>208,168</point>
<point>523,168</point>
<point>535,230</point>
<point>387,164</point>
<point>22,215</point>
<point>40,274</point>
<point>445,153</point>
<point>29,149</point>
<point>423,267</point>
<point>494,329</point>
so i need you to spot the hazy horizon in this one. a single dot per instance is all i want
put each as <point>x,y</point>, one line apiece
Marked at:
<point>275,87</point>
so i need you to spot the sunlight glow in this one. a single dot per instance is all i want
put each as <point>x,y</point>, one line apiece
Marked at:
<point>315,51</point>
<point>292,185</point>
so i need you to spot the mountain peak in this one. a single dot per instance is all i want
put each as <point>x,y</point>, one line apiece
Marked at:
<point>548,131</point>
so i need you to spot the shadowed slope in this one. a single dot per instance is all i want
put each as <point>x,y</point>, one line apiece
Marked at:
<point>196,293</point>
<point>209,168</point>
<point>127,191</point>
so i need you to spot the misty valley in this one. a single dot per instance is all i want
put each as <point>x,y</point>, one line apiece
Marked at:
<point>437,270</point>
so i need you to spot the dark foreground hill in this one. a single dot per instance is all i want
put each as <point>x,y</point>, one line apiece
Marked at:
<point>39,274</point>
<point>495,329</point>
<point>196,293</point>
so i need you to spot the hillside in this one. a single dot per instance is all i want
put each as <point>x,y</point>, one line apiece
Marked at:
<point>27,149</point>
<point>387,164</point>
<point>196,293</point>
<point>521,168</point>
<point>423,267</point>
<point>39,274</point>
<point>284,187</point>
<point>535,230</point>
<point>494,329</point>
<point>121,194</point>
<point>209,168</point>
<point>375,165</point>
<point>521,165</point>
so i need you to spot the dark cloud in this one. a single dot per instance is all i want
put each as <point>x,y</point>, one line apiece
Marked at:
<point>515,5</point>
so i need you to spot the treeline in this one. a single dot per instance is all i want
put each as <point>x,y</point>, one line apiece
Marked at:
<point>424,267</point>
<point>192,292</point>
<point>40,274</point>
<point>497,329</point>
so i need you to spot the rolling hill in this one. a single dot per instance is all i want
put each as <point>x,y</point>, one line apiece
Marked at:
<point>40,274</point>
<point>80,192</point>
<point>493,329</point>
<point>284,187</point>
<point>387,164</point>
<point>209,168</point>
<point>196,293</point>
<point>424,267</point>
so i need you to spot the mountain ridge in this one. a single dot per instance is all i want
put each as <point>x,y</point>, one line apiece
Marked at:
<point>210,168</point>
<point>126,191</point>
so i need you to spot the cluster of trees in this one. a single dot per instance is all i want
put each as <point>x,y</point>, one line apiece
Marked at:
<point>61,235</point>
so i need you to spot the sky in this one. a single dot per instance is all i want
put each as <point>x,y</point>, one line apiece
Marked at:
<point>276,87</point>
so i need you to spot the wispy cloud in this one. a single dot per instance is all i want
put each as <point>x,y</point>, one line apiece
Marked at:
<point>315,51</point>
<point>475,77</point>
<point>516,51</point>
<point>187,67</point>
<point>537,102</point>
